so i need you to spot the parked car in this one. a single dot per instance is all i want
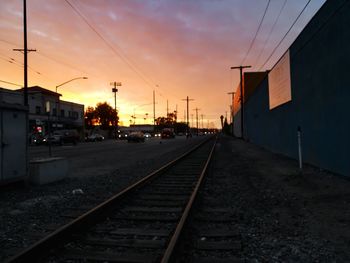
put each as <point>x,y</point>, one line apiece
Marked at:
<point>123,135</point>
<point>136,137</point>
<point>61,137</point>
<point>54,139</point>
<point>36,139</point>
<point>95,137</point>
<point>157,135</point>
<point>167,134</point>
<point>147,135</point>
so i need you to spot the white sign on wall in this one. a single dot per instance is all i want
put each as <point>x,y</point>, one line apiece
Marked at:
<point>279,82</point>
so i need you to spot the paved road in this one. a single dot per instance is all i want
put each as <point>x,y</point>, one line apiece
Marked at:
<point>95,158</point>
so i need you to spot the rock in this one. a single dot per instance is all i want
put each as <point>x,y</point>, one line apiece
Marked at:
<point>77,192</point>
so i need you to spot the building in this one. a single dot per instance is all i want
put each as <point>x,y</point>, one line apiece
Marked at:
<point>307,93</point>
<point>46,107</point>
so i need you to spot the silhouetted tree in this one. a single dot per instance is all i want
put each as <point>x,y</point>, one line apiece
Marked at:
<point>170,122</point>
<point>89,117</point>
<point>106,115</point>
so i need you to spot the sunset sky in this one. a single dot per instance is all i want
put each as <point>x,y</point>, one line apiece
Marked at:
<point>178,48</point>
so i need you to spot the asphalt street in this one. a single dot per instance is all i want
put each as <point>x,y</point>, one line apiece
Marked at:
<point>94,158</point>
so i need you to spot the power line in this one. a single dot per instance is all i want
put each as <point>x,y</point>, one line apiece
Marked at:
<point>118,50</point>
<point>19,64</point>
<point>118,53</point>
<point>256,33</point>
<point>270,33</point>
<point>48,57</point>
<point>274,50</point>
<point>60,62</point>
<point>11,83</point>
<point>8,42</point>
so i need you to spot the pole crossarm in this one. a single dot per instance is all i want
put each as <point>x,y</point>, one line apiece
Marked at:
<point>23,50</point>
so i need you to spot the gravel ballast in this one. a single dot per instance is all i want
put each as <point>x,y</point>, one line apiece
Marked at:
<point>281,215</point>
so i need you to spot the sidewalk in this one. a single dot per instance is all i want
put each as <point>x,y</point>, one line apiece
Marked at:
<point>284,216</point>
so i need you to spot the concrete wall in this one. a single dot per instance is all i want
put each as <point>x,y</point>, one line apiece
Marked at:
<point>320,63</point>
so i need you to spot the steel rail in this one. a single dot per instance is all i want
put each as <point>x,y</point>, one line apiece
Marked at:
<point>43,247</point>
<point>171,246</point>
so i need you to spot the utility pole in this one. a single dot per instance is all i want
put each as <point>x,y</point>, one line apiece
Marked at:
<point>25,84</point>
<point>25,51</point>
<point>115,90</point>
<point>232,112</point>
<point>196,109</point>
<point>202,120</point>
<point>167,108</point>
<point>242,95</point>
<point>154,111</point>
<point>188,121</point>
<point>176,114</point>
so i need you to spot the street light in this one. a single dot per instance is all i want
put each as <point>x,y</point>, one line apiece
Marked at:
<point>69,81</point>
<point>58,100</point>
<point>115,90</point>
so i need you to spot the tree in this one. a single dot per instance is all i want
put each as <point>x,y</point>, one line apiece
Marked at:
<point>106,115</point>
<point>103,114</point>
<point>90,117</point>
<point>167,121</point>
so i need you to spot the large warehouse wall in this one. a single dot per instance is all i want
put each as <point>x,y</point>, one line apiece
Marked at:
<point>320,105</point>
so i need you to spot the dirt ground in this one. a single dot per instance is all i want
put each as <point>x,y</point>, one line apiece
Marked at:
<point>285,216</point>
<point>281,215</point>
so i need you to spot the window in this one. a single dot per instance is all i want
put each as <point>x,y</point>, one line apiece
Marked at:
<point>62,113</point>
<point>75,115</point>
<point>37,109</point>
<point>54,112</point>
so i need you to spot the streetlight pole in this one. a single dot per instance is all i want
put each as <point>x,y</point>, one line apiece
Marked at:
<point>58,100</point>
<point>115,90</point>
<point>242,95</point>
<point>69,81</point>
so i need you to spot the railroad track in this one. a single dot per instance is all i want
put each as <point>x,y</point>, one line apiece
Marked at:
<point>140,224</point>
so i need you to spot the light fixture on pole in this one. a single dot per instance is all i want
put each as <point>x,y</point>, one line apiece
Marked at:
<point>58,100</point>
<point>115,90</point>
